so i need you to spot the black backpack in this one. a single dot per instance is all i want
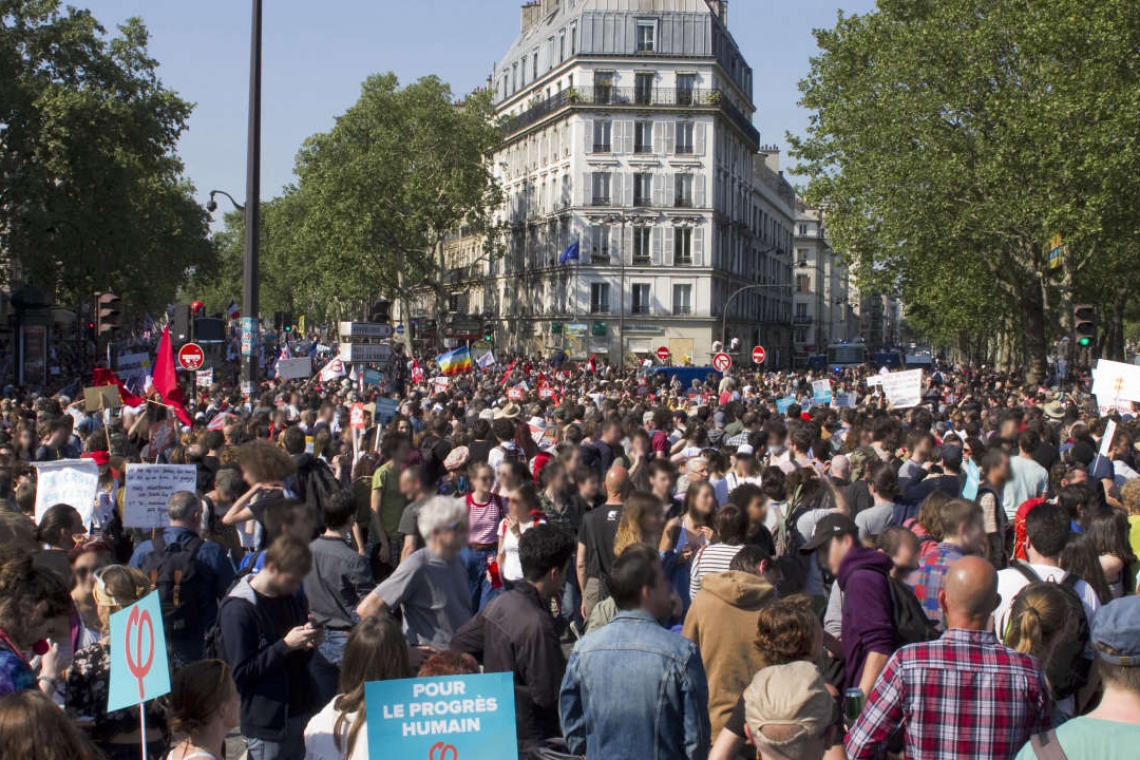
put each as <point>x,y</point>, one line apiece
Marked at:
<point>316,485</point>
<point>172,569</point>
<point>911,623</point>
<point>1068,669</point>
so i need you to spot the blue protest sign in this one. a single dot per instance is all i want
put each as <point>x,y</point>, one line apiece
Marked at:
<point>139,668</point>
<point>973,480</point>
<point>386,409</point>
<point>445,718</point>
<point>821,392</point>
<point>373,377</point>
<point>782,404</point>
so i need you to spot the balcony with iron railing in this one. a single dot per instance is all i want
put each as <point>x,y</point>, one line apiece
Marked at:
<point>634,97</point>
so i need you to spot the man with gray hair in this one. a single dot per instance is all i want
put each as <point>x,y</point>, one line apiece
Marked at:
<point>430,586</point>
<point>190,573</point>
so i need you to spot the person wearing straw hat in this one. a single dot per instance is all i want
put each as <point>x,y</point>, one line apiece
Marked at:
<point>788,712</point>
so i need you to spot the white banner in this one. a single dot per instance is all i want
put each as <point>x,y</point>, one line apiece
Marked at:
<point>149,488</point>
<point>295,369</point>
<point>133,365</point>
<point>903,389</point>
<point>70,481</point>
<point>204,378</point>
<point>1114,382</point>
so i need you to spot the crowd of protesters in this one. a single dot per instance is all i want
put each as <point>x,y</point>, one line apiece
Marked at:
<point>667,571</point>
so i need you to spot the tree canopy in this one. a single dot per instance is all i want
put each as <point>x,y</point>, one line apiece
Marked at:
<point>91,189</point>
<point>951,141</point>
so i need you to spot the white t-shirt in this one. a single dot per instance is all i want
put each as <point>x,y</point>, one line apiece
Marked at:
<point>509,546</point>
<point>1011,581</point>
<point>319,744</point>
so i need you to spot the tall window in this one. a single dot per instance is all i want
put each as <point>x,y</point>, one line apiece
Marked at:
<point>803,283</point>
<point>801,335</point>
<point>643,89</point>
<point>640,295</point>
<point>683,246</point>
<point>683,197</point>
<point>573,40</point>
<point>686,83</point>
<point>603,131</point>
<point>684,137</point>
<point>534,68</point>
<point>641,240</point>
<point>600,237</point>
<point>643,137</point>
<point>801,311</point>
<point>515,77</point>
<point>561,47</point>
<point>643,189</point>
<point>682,299</point>
<point>600,298</point>
<point>601,187</point>
<point>646,36</point>
<point>603,86</point>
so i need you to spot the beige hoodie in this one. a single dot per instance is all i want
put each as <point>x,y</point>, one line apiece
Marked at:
<point>722,623</point>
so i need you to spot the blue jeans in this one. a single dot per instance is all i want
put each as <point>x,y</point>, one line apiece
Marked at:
<point>325,665</point>
<point>572,600</point>
<point>292,748</point>
<point>477,583</point>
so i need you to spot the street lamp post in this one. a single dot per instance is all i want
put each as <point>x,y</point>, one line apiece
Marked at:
<point>250,306</point>
<point>620,221</point>
<point>731,298</point>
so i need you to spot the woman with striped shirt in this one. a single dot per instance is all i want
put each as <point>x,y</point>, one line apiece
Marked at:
<point>730,526</point>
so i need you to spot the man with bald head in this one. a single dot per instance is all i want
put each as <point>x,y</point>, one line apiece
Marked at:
<point>596,541</point>
<point>963,696</point>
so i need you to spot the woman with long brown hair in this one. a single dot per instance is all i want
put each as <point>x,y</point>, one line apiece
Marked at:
<point>35,605</point>
<point>377,650</point>
<point>206,706</point>
<point>32,727</point>
<point>642,522</point>
<point>686,535</point>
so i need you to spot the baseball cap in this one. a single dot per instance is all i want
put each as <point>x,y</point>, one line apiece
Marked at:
<point>831,526</point>
<point>1114,632</point>
<point>860,456</point>
<point>788,708</point>
<point>745,450</point>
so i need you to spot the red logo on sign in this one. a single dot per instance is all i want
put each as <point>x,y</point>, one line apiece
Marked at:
<point>137,621</point>
<point>758,355</point>
<point>515,394</point>
<point>722,362</point>
<point>663,354</point>
<point>191,356</point>
<point>441,751</point>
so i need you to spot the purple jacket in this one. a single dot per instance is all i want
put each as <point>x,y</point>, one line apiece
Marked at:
<point>868,616</point>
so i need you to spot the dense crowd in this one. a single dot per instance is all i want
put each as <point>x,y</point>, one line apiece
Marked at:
<point>668,571</point>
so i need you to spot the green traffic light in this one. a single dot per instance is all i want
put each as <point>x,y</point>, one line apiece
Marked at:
<point>1084,342</point>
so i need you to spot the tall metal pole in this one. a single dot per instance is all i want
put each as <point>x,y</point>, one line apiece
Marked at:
<point>621,317</point>
<point>250,306</point>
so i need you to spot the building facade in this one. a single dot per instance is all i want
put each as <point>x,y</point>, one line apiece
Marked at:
<point>637,208</point>
<point>826,306</point>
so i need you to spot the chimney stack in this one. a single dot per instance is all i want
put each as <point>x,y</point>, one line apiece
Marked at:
<point>531,13</point>
<point>720,8</point>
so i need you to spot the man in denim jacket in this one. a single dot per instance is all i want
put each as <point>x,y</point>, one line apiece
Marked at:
<point>634,689</point>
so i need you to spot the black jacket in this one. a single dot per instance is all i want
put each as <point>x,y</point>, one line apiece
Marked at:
<point>515,634</point>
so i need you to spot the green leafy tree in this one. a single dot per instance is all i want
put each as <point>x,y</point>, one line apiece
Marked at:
<point>91,191</point>
<point>950,135</point>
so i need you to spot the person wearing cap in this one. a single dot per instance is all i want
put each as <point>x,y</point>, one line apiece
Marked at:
<point>1112,730</point>
<point>962,697</point>
<point>788,712</point>
<point>745,468</point>
<point>868,626</point>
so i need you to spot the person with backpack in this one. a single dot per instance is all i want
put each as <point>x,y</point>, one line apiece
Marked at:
<point>962,697</point>
<point>1047,530</point>
<point>314,482</point>
<point>190,573</point>
<point>963,533</point>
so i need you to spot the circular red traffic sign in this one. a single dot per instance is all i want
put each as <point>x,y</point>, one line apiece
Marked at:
<point>758,355</point>
<point>663,353</point>
<point>722,362</point>
<point>191,357</point>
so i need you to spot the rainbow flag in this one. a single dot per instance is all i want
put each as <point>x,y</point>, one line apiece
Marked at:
<point>454,362</point>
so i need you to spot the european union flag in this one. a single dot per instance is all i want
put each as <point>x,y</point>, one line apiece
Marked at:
<point>570,254</point>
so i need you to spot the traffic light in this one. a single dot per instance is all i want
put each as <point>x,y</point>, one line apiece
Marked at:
<point>107,313</point>
<point>1084,324</point>
<point>277,320</point>
<point>288,316</point>
<point>381,312</point>
<point>489,333</point>
<point>180,322</point>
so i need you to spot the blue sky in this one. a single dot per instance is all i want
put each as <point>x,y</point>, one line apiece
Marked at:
<point>318,53</point>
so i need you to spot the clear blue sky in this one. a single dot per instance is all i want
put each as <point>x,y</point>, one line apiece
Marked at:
<point>318,53</point>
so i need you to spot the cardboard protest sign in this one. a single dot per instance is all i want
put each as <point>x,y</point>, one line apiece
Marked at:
<point>101,397</point>
<point>68,481</point>
<point>295,369</point>
<point>1114,382</point>
<point>140,670</point>
<point>149,487</point>
<point>445,718</point>
<point>903,389</point>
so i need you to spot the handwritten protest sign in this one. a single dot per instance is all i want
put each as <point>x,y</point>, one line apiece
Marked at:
<point>71,481</point>
<point>140,670</point>
<point>783,404</point>
<point>903,389</point>
<point>446,718</point>
<point>821,392</point>
<point>148,489</point>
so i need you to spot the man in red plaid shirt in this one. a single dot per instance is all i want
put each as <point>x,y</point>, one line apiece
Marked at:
<point>963,697</point>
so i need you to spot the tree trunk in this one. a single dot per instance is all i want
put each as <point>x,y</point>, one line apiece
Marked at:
<point>1035,342</point>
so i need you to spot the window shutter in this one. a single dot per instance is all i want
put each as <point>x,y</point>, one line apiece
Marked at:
<point>670,251</point>
<point>617,188</point>
<point>670,190</point>
<point>630,129</point>
<point>698,246</point>
<point>627,245</point>
<point>589,124</point>
<point>585,246</point>
<point>699,138</point>
<point>699,191</point>
<point>627,199</point>
<point>658,136</point>
<point>658,256</point>
<point>587,189</point>
<point>659,190</point>
<point>670,137</point>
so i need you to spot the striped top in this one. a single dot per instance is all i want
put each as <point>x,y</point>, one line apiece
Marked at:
<point>714,558</point>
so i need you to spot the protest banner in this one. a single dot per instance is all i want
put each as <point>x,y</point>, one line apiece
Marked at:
<point>843,401</point>
<point>68,481</point>
<point>204,378</point>
<point>373,377</point>
<point>149,487</point>
<point>295,369</point>
<point>783,404</point>
<point>140,670</point>
<point>1114,383</point>
<point>386,409</point>
<point>973,480</point>
<point>445,718</point>
<point>821,392</point>
<point>133,365</point>
<point>903,389</point>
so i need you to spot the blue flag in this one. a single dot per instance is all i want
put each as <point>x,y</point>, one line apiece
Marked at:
<point>570,254</point>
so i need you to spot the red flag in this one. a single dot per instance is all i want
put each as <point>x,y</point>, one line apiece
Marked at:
<point>593,365</point>
<point>107,377</point>
<point>166,378</point>
<point>510,370</point>
<point>418,375</point>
